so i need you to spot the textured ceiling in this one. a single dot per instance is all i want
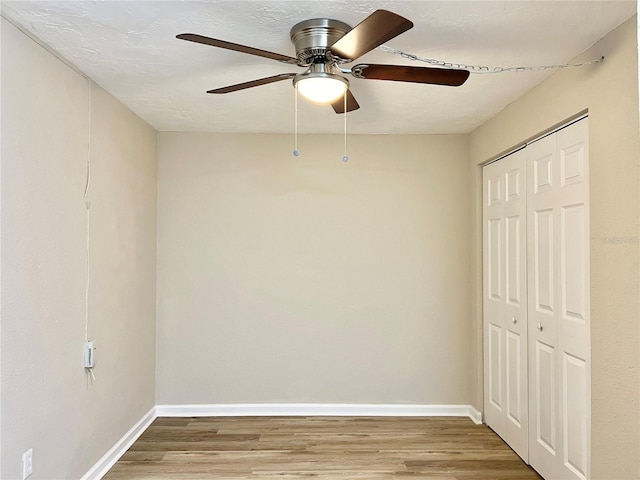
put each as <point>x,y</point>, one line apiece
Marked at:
<point>129,48</point>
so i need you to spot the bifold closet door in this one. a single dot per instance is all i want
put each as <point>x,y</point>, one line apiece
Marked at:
<point>558,292</point>
<point>505,300</point>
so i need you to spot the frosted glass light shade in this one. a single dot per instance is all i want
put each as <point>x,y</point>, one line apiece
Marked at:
<point>322,88</point>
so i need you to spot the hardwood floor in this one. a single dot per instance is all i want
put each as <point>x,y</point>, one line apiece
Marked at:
<point>324,448</point>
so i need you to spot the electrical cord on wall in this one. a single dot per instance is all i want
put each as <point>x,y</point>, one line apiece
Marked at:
<point>87,204</point>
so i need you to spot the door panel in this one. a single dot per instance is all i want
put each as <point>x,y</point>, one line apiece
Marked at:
<point>543,261</point>
<point>495,258</point>
<point>545,429</point>
<point>572,262</point>
<point>542,172</point>
<point>558,273</point>
<point>514,378</point>
<point>505,304</point>
<point>495,366</point>
<point>542,333</point>
<point>572,160</point>
<point>493,206</point>
<point>513,257</point>
<point>575,415</point>
<point>574,316</point>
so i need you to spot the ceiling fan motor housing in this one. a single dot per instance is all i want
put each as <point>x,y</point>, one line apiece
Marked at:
<point>312,38</point>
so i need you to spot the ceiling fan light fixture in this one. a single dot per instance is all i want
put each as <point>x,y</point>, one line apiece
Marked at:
<point>320,87</point>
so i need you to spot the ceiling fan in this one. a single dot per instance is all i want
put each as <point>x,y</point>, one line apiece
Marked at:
<point>323,45</point>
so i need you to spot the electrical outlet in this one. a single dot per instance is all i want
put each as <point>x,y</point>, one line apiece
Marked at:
<point>89,354</point>
<point>27,463</point>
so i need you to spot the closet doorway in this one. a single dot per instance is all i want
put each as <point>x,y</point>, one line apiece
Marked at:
<point>536,301</point>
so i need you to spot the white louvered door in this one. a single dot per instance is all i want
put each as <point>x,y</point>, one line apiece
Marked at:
<point>505,300</point>
<point>558,278</point>
<point>536,302</point>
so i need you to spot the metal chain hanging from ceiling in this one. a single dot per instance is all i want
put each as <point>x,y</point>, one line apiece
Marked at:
<point>483,69</point>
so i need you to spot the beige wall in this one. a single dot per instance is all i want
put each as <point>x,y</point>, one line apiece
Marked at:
<point>280,279</point>
<point>1,151</point>
<point>609,91</point>
<point>284,279</point>
<point>47,403</point>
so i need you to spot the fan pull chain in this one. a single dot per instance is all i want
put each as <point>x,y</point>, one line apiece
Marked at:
<point>296,152</point>
<point>346,157</point>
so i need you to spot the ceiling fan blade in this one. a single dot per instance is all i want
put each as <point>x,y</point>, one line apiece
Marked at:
<point>403,73</point>
<point>372,32</point>
<point>253,83</point>
<point>192,37</point>
<point>352,104</point>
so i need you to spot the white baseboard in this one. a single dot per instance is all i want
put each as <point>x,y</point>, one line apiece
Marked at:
<point>475,415</point>
<point>318,409</point>
<point>113,455</point>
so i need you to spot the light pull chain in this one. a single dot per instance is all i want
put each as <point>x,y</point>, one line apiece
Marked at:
<point>346,157</point>
<point>296,152</point>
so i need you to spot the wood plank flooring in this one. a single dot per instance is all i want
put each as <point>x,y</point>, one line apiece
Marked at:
<point>322,448</point>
